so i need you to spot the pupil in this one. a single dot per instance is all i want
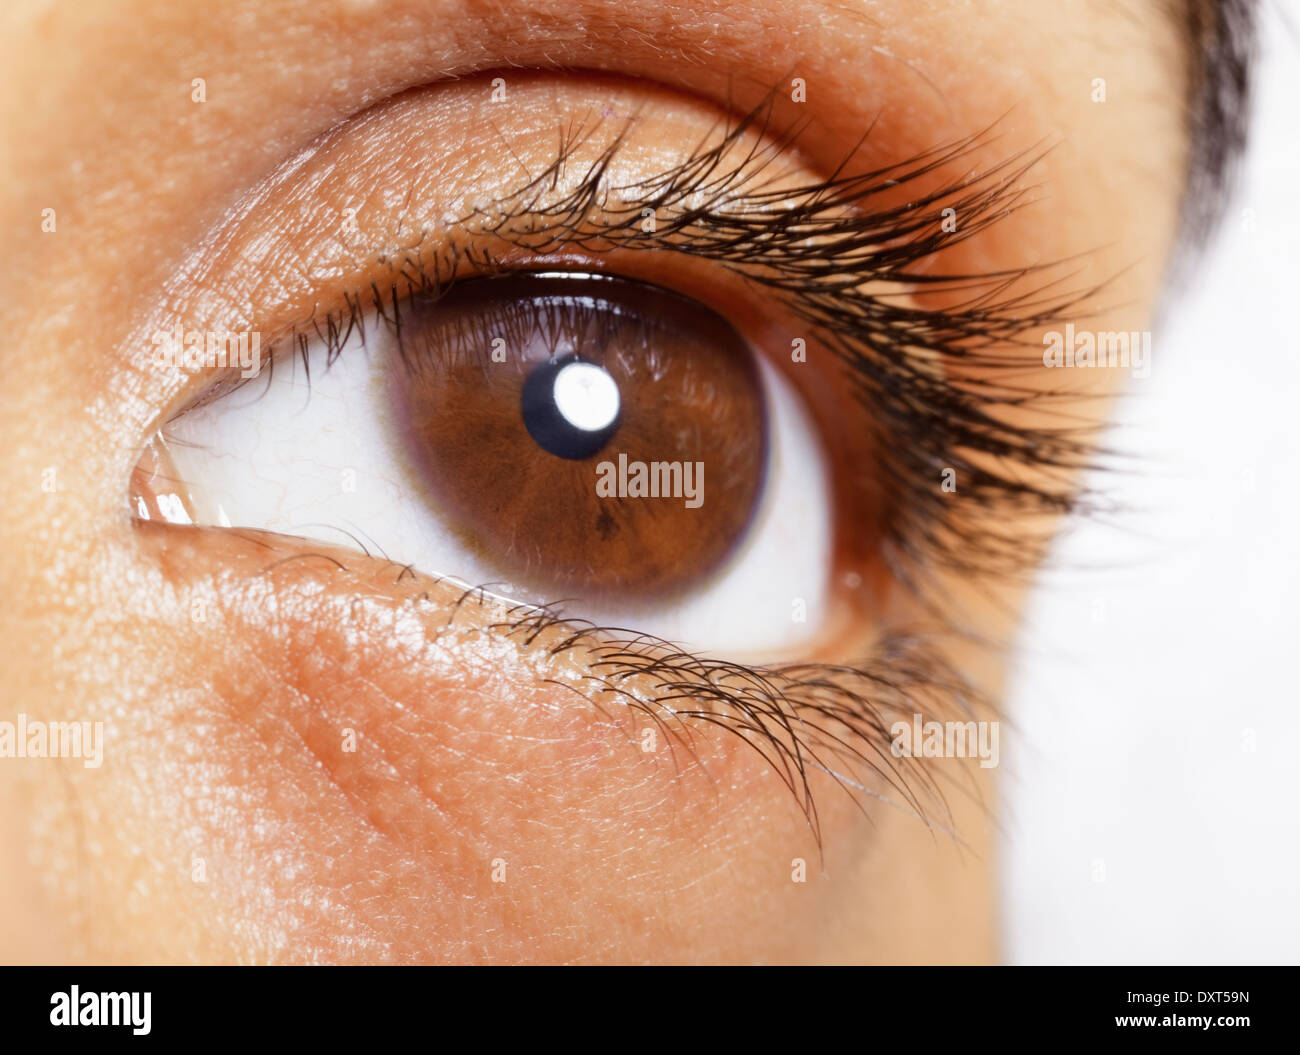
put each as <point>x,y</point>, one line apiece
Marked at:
<point>570,407</point>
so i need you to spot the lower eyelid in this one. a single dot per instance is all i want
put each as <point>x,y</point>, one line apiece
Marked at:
<point>462,764</point>
<point>443,707</point>
<point>443,692</point>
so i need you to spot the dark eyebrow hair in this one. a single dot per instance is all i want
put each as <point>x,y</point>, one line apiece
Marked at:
<point>1220,43</point>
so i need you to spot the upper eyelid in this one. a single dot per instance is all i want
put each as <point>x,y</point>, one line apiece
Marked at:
<point>404,217</point>
<point>733,178</point>
<point>274,267</point>
<point>881,221</point>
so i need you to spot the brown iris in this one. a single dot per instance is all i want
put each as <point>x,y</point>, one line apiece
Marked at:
<point>587,435</point>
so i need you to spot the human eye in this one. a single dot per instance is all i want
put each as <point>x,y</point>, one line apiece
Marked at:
<point>710,404</point>
<point>546,436</point>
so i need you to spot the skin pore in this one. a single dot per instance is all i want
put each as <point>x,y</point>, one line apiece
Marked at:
<point>222,736</point>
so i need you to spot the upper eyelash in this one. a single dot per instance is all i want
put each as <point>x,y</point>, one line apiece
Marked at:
<point>808,717</point>
<point>709,208</point>
<point>892,348</point>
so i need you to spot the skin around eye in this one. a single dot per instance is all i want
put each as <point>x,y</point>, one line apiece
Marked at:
<point>228,666</point>
<point>675,481</point>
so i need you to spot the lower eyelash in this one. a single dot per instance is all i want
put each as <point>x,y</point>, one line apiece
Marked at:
<point>803,719</point>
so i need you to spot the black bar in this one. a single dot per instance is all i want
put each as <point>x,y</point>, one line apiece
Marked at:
<point>438,1007</point>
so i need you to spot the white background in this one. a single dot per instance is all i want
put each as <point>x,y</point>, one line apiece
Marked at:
<point>1152,781</point>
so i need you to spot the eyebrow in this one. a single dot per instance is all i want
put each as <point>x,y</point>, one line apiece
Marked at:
<point>1220,42</point>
